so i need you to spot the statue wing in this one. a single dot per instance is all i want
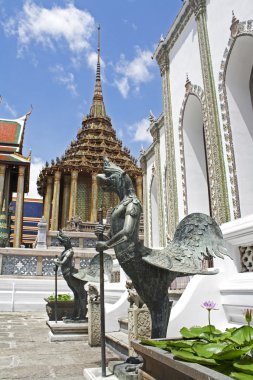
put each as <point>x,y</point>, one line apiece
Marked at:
<point>197,237</point>
<point>92,272</point>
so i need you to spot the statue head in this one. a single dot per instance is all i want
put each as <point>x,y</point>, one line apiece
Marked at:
<point>114,179</point>
<point>64,240</point>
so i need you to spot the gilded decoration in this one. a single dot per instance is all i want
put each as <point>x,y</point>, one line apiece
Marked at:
<point>163,62</point>
<point>217,175</point>
<point>238,29</point>
<point>155,132</point>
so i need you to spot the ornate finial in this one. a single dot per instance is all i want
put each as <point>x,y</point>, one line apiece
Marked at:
<point>161,38</point>
<point>151,117</point>
<point>142,151</point>
<point>29,112</point>
<point>188,83</point>
<point>234,25</point>
<point>98,108</point>
<point>29,154</point>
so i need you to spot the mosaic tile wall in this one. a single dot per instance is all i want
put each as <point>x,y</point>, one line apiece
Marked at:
<point>83,198</point>
<point>19,265</point>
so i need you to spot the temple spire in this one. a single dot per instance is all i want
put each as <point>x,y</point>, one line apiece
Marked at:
<point>98,107</point>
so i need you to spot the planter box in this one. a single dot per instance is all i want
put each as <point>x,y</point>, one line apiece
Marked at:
<point>64,309</point>
<point>160,365</point>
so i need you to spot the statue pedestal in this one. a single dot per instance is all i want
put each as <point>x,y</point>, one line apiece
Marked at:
<point>139,325</point>
<point>94,335</point>
<point>42,234</point>
<point>62,331</point>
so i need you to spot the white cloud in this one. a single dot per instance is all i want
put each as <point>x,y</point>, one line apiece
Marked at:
<point>65,78</point>
<point>10,109</point>
<point>50,26</point>
<point>141,133</point>
<point>130,74</point>
<point>35,168</point>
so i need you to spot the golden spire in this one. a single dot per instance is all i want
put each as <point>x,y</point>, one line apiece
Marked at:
<point>98,108</point>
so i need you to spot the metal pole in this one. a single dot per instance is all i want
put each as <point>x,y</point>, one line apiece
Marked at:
<point>56,291</point>
<point>102,300</point>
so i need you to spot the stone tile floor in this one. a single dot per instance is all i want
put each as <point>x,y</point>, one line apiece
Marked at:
<point>26,353</point>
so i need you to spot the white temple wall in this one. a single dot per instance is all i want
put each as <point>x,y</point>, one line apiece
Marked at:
<point>241,116</point>
<point>184,59</point>
<point>219,34</point>
<point>195,158</point>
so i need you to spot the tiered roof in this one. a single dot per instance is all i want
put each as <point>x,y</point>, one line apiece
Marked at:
<point>95,139</point>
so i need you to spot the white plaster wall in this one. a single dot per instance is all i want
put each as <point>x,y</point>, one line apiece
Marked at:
<point>241,116</point>
<point>184,59</point>
<point>219,20</point>
<point>195,157</point>
<point>219,35</point>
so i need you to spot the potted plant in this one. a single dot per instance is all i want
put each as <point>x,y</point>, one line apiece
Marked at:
<point>65,306</point>
<point>201,353</point>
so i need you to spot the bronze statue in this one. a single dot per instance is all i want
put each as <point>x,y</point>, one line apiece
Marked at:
<point>197,237</point>
<point>76,279</point>
<point>65,261</point>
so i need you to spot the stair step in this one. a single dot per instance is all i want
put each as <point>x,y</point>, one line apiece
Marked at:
<point>123,324</point>
<point>118,342</point>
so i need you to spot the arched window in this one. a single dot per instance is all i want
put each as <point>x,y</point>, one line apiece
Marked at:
<point>239,89</point>
<point>196,177</point>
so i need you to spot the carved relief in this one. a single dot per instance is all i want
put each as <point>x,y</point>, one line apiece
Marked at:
<point>238,29</point>
<point>198,6</point>
<point>247,258</point>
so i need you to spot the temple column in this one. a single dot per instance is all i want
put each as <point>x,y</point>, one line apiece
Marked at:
<point>145,199</point>
<point>160,198</point>
<point>94,198</point>
<point>19,207</point>
<point>164,64</point>
<point>216,167</point>
<point>65,202</point>
<point>2,175</point>
<point>139,188</point>
<point>48,200</point>
<point>56,198</point>
<point>73,193</point>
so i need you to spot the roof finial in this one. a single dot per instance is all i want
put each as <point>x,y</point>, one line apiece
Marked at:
<point>98,108</point>
<point>99,39</point>
<point>234,25</point>
<point>188,83</point>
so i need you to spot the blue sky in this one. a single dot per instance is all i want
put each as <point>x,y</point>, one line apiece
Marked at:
<point>48,59</point>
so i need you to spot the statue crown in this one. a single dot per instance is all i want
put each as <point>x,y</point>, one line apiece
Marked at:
<point>110,167</point>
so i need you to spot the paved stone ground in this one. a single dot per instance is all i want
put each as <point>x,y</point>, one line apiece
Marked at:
<point>26,353</point>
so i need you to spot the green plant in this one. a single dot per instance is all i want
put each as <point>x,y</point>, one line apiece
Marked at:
<point>60,297</point>
<point>229,352</point>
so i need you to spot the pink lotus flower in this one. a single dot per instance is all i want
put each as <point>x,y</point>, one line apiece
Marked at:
<point>209,305</point>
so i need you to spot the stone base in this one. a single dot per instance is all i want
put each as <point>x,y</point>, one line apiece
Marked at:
<point>61,331</point>
<point>96,374</point>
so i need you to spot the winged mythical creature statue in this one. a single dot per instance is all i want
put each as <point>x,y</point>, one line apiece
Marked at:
<point>197,237</point>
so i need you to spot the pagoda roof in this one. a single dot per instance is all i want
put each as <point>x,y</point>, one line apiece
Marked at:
<point>95,139</point>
